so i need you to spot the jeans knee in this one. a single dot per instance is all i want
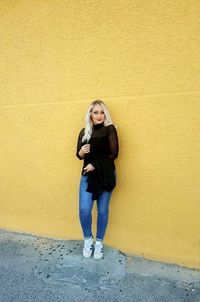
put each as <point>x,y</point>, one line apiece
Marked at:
<point>84,212</point>
<point>103,212</point>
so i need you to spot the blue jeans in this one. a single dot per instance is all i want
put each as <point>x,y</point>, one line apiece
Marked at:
<point>85,210</point>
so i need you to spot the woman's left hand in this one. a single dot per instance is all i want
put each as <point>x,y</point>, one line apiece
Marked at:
<point>89,168</point>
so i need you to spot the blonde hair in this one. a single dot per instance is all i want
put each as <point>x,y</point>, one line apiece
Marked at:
<point>88,120</point>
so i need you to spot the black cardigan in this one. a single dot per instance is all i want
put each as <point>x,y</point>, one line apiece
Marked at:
<point>103,151</point>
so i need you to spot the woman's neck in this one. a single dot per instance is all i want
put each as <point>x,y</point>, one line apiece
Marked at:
<point>97,126</point>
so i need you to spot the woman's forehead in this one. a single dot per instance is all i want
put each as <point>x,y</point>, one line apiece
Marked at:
<point>97,107</point>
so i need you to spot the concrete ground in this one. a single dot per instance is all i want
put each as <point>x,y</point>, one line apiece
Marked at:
<point>35,269</point>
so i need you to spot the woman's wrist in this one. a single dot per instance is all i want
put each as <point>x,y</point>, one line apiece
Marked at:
<point>81,153</point>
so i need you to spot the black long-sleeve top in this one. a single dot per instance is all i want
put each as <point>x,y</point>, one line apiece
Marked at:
<point>103,151</point>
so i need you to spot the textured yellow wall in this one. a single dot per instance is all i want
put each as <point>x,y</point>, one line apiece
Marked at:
<point>143,59</point>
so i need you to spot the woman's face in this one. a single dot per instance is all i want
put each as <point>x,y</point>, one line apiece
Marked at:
<point>97,115</point>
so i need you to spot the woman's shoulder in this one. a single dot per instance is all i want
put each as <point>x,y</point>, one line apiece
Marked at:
<point>81,133</point>
<point>111,127</point>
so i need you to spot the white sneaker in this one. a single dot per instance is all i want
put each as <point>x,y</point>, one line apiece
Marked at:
<point>98,250</point>
<point>88,247</point>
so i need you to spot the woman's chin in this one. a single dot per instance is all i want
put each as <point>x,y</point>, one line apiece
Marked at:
<point>98,122</point>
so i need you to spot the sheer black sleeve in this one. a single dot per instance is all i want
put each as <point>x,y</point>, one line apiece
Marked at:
<point>113,141</point>
<point>79,143</point>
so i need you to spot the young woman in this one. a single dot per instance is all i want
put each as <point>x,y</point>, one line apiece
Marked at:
<point>98,146</point>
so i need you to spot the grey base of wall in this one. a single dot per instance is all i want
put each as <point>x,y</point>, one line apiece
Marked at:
<point>42,269</point>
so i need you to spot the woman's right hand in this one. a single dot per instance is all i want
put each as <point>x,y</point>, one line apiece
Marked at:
<point>84,150</point>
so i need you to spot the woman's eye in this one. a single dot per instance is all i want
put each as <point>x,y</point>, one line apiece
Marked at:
<point>96,112</point>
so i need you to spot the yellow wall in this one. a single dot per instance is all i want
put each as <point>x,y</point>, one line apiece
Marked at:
<point>143,59</point>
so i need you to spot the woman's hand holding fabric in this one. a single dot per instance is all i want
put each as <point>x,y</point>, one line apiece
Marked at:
<point>89,168</point>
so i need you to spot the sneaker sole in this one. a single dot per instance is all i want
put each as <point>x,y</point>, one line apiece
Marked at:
<point>98,257</point>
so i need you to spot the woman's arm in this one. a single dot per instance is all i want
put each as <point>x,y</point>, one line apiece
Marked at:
<point>82,149</point>
<point>79,152</point>
<point>113,141</point>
